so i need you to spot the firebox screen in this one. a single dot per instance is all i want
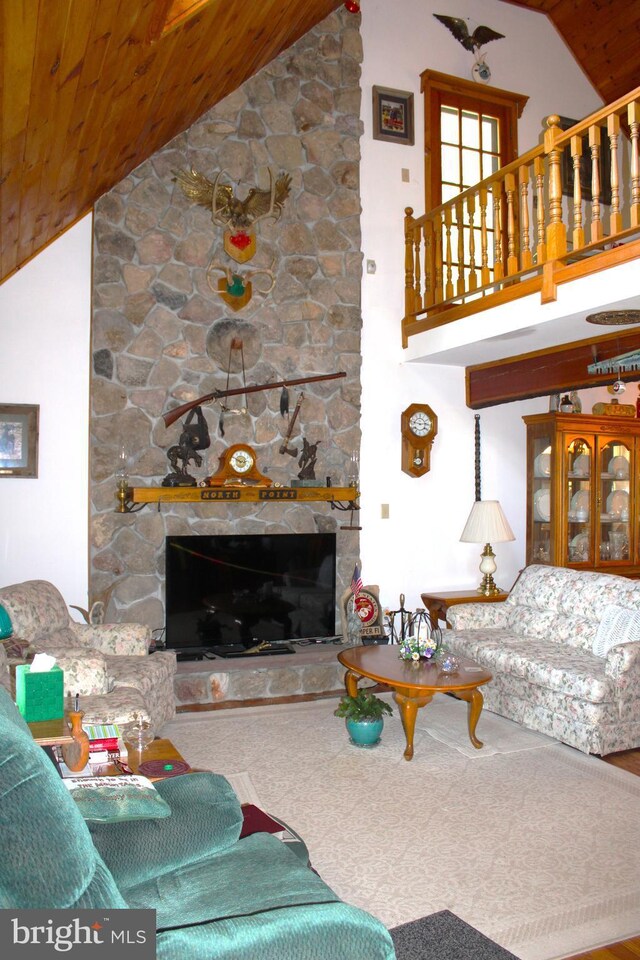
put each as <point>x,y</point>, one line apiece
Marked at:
<point>239,589</point>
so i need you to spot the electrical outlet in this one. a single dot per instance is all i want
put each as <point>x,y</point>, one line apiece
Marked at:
<point>405,175</point>
<point>384,511</point>
<point>371,266</point>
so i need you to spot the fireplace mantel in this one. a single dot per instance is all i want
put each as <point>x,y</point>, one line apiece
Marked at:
<point>242,494</point>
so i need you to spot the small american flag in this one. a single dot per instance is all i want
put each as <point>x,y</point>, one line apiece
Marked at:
<point>356,582</point>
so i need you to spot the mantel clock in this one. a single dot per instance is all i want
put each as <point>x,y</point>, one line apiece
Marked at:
<point>238,467</point>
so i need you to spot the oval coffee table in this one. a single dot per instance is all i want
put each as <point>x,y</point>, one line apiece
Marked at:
<point>414,683</point>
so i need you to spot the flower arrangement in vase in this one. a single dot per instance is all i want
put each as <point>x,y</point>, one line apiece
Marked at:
<point>420,647</point>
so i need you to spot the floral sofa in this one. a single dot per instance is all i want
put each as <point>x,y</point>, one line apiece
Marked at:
<point>564,651</point>
<point>107,665</point>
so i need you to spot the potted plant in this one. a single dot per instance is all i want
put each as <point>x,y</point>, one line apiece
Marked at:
<point>364,716</point>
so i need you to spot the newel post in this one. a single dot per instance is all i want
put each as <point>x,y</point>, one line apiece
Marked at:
<point>409,277</point>
<point>556,229</point>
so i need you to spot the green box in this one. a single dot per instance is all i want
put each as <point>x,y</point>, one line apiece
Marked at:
<point>40,696</point>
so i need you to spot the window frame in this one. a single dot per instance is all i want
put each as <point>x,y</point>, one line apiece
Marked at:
<point>441,89</point>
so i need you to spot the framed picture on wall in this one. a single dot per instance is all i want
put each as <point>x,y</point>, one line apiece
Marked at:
<point>393,116</point>
<point>19,439</point>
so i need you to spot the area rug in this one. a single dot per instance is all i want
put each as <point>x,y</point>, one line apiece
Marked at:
<point>538,849</point>
<point>443,936</point>
<point>442,720</point>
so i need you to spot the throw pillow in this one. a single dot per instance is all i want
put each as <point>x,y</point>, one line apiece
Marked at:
<point>618,625</point>
<point>110,799</point>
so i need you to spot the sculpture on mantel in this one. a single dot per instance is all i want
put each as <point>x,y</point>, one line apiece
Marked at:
<point>194,437</point>
<point>308,459</point>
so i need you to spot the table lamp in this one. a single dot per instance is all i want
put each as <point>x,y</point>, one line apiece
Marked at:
<point>486,524</point>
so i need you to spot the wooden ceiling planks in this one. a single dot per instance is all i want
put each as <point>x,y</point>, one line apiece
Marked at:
<point>603,36</point>
<point>89,91</point>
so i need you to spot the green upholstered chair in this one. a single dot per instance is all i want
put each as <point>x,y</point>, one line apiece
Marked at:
<point>214,894</point>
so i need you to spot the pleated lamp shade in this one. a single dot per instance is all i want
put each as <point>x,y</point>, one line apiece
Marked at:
<point>487,524</point>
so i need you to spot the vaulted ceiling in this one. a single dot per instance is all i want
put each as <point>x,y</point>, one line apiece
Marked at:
<point>88,90</point>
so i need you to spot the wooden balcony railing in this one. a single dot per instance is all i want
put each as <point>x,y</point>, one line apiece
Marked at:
<point>569,207</point>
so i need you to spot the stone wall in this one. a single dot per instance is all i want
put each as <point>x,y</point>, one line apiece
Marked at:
<point>162,333</point>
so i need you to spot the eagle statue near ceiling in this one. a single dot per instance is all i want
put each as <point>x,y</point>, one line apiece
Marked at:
<point>460,30</point>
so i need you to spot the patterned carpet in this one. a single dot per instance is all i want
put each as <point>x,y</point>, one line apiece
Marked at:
<point>536,846</point>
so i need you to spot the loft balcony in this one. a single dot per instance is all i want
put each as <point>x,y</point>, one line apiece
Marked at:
<point>562,212</point>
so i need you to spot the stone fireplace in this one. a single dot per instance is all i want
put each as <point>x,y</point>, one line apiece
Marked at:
<point>162,334</point>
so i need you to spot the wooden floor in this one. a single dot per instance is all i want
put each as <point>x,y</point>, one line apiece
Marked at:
<point>625,949</point>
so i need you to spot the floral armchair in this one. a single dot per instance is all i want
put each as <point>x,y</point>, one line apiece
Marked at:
<point>107,665</point>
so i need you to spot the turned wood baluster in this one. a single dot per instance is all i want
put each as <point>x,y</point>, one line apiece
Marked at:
<point>594,145</point>
<point>473,274</point>
<point>541,246</point>
<point>498,266</point>
<point>512,256</point>
<point>525,244</point>
<point>409,288</point>
<point>556,230</point>
<point>417,240</point>
<point>485,272</point>
<point>448,256</point>
<point>460,225</point>
<point>437,230</point>
<point>633,115</point>
<point>615,219</point>
<point>429,264</point>
<point>578,232</point>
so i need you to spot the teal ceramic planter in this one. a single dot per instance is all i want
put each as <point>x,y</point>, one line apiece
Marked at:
<point>365,733</point>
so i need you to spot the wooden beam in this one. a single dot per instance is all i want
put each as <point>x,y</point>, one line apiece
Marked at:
<point>543,372</point>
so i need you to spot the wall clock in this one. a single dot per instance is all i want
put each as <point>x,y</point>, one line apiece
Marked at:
<point>238,466</point>
<point>419,426</point>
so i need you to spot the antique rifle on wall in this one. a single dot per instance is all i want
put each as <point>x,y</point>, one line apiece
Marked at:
<point>172,415</point>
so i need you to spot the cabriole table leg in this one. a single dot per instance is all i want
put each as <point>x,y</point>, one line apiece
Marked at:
<point>408,705</point>
<point>475,701</point>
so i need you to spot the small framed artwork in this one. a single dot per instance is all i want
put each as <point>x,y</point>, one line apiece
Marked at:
<point>19,439</point>
<point>393,116</point>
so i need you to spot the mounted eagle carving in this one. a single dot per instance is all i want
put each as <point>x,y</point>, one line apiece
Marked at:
<point>460,30</point>
<point>238,217</point>
<point>227,209</point>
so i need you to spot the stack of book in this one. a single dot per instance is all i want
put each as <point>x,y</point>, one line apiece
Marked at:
<point>104,741</point>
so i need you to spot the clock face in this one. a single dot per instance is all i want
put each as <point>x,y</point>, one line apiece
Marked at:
<point>241,461</point>
<point>420,423</point>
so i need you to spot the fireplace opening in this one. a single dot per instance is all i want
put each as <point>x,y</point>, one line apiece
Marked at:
<point>227,595</point>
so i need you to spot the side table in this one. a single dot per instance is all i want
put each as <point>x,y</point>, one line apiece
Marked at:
<point>67,733</point>
<point>437,604</point>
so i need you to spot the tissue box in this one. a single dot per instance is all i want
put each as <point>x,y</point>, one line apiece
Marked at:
<point>40,696</point>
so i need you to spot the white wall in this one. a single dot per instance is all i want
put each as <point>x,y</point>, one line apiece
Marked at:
<point>417,548</point>
<point>44,350</point>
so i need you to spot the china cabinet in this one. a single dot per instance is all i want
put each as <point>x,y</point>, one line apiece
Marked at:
<point>583,492</point>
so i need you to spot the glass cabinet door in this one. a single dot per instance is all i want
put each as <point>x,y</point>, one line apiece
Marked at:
<point>613,501</point>
<point>579,542</point>
<point>541,501</point>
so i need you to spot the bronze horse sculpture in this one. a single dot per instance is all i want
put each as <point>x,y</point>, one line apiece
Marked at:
<point>194,437</point>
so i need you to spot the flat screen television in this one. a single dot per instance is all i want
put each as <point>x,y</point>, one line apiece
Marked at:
<point>226,593</point>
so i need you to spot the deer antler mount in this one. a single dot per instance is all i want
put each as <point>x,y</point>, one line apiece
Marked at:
<point>237,217</point>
